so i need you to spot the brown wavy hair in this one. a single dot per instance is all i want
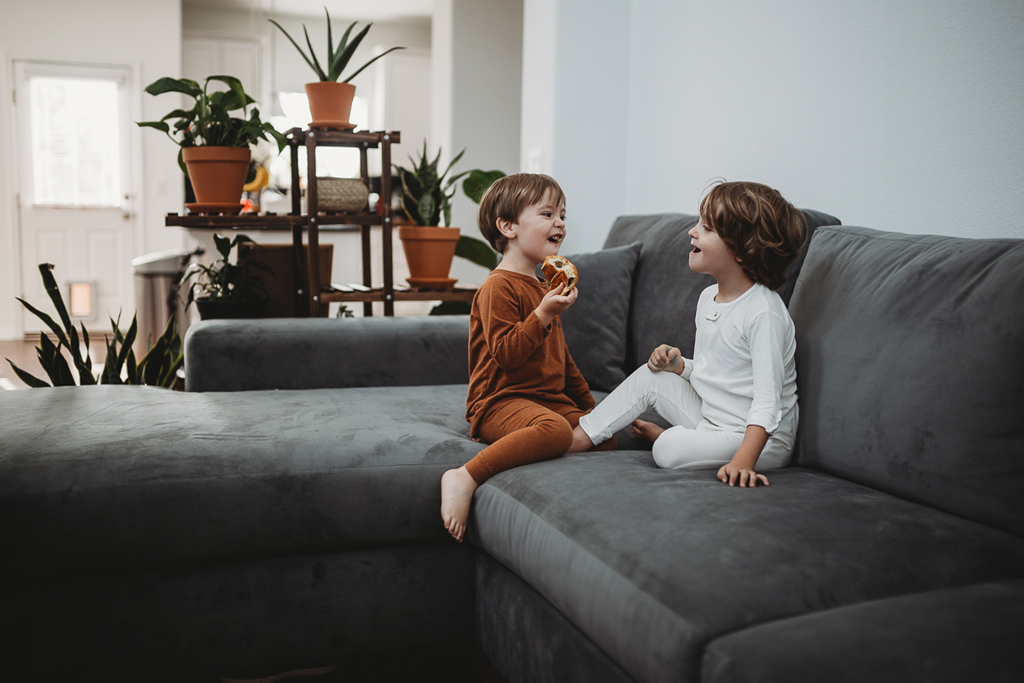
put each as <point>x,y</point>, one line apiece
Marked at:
<point>760,227</point>
<point>507,198</point>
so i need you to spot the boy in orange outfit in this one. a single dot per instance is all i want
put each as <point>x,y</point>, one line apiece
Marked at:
<point>525,393</point>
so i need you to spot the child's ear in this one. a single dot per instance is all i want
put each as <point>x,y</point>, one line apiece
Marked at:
<point>506,228</point>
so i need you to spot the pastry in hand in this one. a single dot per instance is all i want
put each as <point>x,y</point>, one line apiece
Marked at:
<point>558,271</point>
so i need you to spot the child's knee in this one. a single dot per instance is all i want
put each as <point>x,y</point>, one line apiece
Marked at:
<point>674,448</point>
<point>556,434</point>
<point>668,450</point>
<point>685,448</point>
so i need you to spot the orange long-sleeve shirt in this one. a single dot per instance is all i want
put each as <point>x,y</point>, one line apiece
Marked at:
<point>512,354</point>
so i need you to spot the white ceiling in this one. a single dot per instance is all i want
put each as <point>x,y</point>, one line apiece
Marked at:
<point>361,10</point>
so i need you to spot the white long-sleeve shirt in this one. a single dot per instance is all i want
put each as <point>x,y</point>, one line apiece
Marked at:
<point>743,365</point>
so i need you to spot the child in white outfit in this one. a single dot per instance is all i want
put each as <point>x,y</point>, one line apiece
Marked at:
<point>734,405</point>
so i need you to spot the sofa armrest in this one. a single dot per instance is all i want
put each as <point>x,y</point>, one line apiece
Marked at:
<point>321,353</point>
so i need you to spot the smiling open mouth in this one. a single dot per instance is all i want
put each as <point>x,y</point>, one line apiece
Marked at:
<point>556,239</point>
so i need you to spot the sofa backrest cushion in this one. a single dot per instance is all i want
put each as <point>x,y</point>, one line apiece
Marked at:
<point>665,290</point>
<point>910,368</point>
<point>595,326</point>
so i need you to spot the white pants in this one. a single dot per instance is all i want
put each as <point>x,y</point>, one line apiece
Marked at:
<point>693,443</point>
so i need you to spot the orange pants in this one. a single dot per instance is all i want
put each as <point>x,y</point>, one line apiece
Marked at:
<point>522,431</point>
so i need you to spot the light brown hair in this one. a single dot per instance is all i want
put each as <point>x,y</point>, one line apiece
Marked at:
<point>508,197</point>
<point>758,226</point>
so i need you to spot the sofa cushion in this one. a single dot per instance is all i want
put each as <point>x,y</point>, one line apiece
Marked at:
<point>958,634</point>
<point>124,476</point>
<point>652,564</point>
<point>325,353</point>
<point>595,326</point>
<point>909,368</point>
<point>665,290</point>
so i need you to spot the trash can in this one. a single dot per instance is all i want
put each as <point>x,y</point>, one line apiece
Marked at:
<point>156,296</point>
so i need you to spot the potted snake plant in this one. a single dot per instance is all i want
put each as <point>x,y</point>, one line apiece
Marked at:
<point>214,144</point>
<point>425,197</point>
<point>330,100</point>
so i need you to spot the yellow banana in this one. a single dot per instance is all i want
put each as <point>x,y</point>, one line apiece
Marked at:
<point>261,180</point>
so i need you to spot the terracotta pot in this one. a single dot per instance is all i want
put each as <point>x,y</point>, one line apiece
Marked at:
<point>217,173</point>
<point>330,102</point>
<point>428,250</point>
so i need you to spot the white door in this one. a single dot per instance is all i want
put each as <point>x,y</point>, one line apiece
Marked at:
<point>74,188</point>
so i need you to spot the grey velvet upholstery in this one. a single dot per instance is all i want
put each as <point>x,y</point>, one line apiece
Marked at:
<point>948,636</point>
<point>138,476</point>
<point>527,639</point>
<point>909,367</point>
<point>665,290</point>
<point>595,326</point>
<point>318,353</point>
<point>652,564</point>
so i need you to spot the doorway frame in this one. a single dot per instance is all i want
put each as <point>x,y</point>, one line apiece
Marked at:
<point>135,205</point>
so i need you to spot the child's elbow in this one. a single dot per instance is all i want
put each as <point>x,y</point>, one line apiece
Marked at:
<point>508,363</point>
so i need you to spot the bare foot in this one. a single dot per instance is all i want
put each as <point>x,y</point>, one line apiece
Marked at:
<point>580,441</point>
<point>457,488</point>
<point>646,430</point>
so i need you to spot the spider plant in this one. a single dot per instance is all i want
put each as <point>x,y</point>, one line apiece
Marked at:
<point>337,58</point>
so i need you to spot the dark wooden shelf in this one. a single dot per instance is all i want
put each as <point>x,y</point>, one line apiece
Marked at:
<point>265,222</point>
<point>339,138</point>
<point>378,294</point>
<point>243,220</point>
<point>308,300</point>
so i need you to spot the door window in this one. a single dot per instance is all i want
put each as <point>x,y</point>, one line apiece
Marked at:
<point>76,155</point>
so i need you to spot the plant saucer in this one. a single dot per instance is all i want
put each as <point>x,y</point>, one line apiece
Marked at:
<point>432,282</point>
<point>214,207</point>
<point>336,125</point>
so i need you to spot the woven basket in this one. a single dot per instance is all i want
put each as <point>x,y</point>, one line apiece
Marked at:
<point>341,194</point>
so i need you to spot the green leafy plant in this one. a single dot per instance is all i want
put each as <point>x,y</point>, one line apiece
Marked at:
<point>477,182</point>
<point>226,281</point>
<point>209,122</point>
<point>158,367</point>
<point>337,57</point>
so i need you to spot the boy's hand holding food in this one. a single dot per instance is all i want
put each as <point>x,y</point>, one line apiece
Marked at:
<point>555,303</point>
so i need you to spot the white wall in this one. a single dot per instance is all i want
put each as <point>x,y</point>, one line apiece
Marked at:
<point>898,116</point>
<point>575,110</point>
<point>537,132</point>
<point>481,40</point>
<point>145,35</point>
<point>591,116</point>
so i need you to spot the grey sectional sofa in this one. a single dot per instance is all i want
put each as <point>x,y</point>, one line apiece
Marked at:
<point>284,510</point>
